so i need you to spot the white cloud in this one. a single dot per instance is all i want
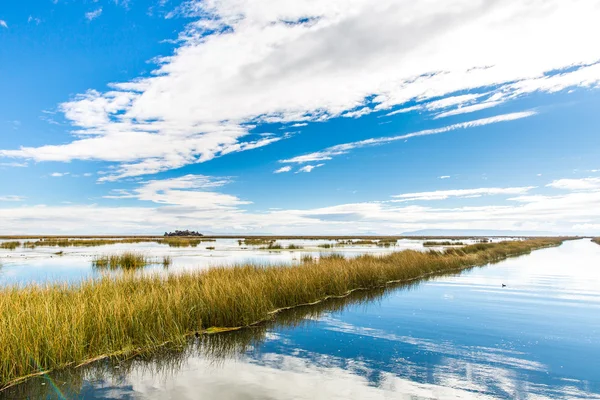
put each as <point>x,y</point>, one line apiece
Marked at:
<point>463,193</point>
<point>33,19</point>
<point>576,184</point>
<point>58,174</point>
<point>14,164</point>
<point>195,191</point>
<point>243,63</point>
<point>283,169</point>
<point>3,24</point>
<point>445,177</point>
<point>468,109</point>
<point>93,14</point>
<point>309,168</point>
<point>12,198</point>
<point>330,152</point>
<point>196,200</point>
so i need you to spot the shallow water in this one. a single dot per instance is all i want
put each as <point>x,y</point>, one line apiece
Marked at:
<point>460,336</point>
<point>42,264</point>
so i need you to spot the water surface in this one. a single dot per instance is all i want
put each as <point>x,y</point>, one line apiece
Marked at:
<point>456,336</point>
<point>42,264</point>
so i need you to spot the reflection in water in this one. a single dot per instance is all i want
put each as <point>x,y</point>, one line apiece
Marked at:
<point>455,336</point>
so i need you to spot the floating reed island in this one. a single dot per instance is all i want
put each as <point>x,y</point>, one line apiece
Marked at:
<point>45,327</point>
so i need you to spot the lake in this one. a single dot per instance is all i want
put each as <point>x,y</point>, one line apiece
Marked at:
<point>454,336</point>
<point>72,264</point>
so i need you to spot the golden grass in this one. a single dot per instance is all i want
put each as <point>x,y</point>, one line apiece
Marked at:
<point>126,261</point>
<point>9,245</point>
<point>56,325</point>
<point>596,240</point>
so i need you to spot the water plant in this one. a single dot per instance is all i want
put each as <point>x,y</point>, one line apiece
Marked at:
<point>181,242</point>
<point>56,325</point>
<point>596,240</point>
<point>9,245</point>
<point>444,243</point>
<point>257,241</point>
<point>272,246</point>
<point>167,261</point>
<point>125,261</point>
<point>294,247</point>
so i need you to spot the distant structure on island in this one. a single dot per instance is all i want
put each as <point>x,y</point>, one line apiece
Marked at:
<point>183,233</point>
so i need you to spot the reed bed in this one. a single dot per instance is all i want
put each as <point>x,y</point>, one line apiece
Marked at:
<point>10,245</point>
<point>444,243</point>
<point>68,242</point>
<point>181,242</point>
<point>596,240</point>
<point>56,325</point>
<point>125,261</point>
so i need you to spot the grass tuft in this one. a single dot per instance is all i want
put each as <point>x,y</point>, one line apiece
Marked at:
<point>125,261</point>
<point>55,325</point>
<point>10,245</point>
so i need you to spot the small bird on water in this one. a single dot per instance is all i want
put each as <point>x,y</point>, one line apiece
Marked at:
<point>503,285</point>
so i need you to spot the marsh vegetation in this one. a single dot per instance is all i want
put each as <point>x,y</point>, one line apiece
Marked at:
<point>444,243</point>
<point>128,261</point>
<point>59,324</point>
<point>10,245</point>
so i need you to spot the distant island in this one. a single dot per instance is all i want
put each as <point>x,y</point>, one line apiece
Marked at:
<point>183,233</point>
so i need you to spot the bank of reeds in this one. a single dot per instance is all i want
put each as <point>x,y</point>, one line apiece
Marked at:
<point>596,240</point>
<point>444,243</point>
<point>256,241</point>
<point>66,242</point>
<point>9,245</point>
<point>56,325</point>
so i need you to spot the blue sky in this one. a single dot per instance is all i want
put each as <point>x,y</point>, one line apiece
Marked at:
<point>299,118</point>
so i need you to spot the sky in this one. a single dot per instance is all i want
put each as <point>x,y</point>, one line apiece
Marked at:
<point>347,117</point>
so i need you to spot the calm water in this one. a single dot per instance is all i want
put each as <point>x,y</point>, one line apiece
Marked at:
<point>42,264</point>
<point>460,336</point>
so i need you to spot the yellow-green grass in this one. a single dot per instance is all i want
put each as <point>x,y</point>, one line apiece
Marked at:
<point>444,243</point>
<point>596,240</point>
<point>9,245</point>
<point>126,261</point>
<point>55,325</point>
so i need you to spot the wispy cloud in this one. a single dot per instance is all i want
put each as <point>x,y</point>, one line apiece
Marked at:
<point>461,193</point>
<point>12,198</point>
<point>93,14</point>
<point>309,168</point>
<point>59,174</point>
<point>34,20</point>
<point>330,152</point>
<point>445,177</point>
<point>175,117</point>
<point>3,24</point>
<point>576,184</point>
<point>282,170</point>
<point>14,164</point>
